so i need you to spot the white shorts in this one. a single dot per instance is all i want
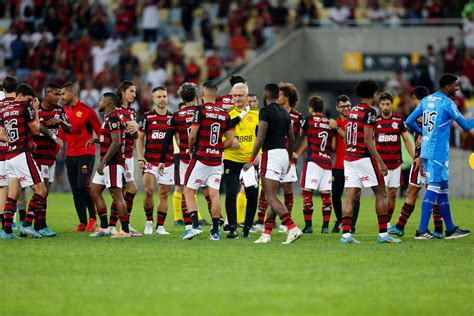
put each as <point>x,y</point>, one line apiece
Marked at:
<point>392,179</point>
<point>168,174</point>
<point>415,178</point>
<point>3,175</point>
<point>112,178</point>
<point>48,172</point>
<point>181,173</point>
<point>316,178</point>
<point>200,175</point>
<point>291,176</point>
<point>274,164</point>
<point>24,168</point>
<point>129,169</point>
<point>362,173</point>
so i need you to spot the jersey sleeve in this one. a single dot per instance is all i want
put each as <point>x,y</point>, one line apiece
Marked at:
<point>64,116</point>
<point>29,114</point>
<point>94,121</point>
<point>263,115</point>
<point>114,125</point>
<point>172,122</point>
<point>304,127</point>
<point>369,118</point>
<point>403,127</point>
<point>197,117</point>
<point>452,110</point>
<point>301,121</point>
<point>228,124</point>
<point>142,125</point>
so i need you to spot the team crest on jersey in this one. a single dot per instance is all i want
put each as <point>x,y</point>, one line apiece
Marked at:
<point>249,118</point>
<point>395,125</point>
<point>209,108</point>
<point>317,119</point>
<point>182,113</point>
<point>79,114</point>
<point>226,100</point>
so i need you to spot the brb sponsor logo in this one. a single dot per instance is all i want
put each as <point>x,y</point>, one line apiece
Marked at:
<point>158,135</point>
<point>387,138</point>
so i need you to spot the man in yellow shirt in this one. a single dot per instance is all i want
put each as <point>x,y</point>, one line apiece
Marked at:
<point>244,122</point>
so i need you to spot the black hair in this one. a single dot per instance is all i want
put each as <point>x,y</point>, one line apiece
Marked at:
<point>272,90</point>
<point>366,89</point>
<point>209,85</point>
<point>112,98</point>
<point>10,84</point>
<point>420,92</point>
<point>160,88</point>
<point>386,96</point>
<point>187,91</point>
<point>342,98</point>
<point>236,79</point>
<point>447,79</point>
<point>52,86</point>
<point>25,90</point>
<point>316,103</point>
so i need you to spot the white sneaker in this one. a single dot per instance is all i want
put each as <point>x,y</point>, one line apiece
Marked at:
<point>192,233</point>
<point>112,230</point>
<point>264,239</point>
<point>293,235</point>
<point>135,233</point>
<point>257,228</point>
<point>161,231</point>
<point>120,234</point>
<point>131,229</point>
<point>148,228</point>
<point>283,229</point>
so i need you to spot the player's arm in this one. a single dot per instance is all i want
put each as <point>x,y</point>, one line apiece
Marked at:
<point>411,120</point>
<point>333,142</point>
<point>48,133</point>
<point>116,138</point>
<point>141,158</point>
<point>165,148</point>
<point>64,123</point>
<point>95,122</point>
<point>3,134</point>
<point>408,144</point>
<point>303,145</point>
<point>229,138</point>
<point>236,120</point>
<point>32,117</point>
<point>455,115</point>
<point>192,137</point>
<point>291,142</point>
<point>369,143</point>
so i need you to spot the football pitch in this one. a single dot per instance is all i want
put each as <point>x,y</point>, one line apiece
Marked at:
<point>74,274</point>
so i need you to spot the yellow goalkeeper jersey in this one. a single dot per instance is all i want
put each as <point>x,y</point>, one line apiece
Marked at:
<point>246,133</point>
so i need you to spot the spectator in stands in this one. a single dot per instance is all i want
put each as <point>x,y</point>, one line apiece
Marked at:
<point>206,31</point>
<point>39,34</point>
<point>89,94</point>
<point>432,61</point>
<point>340,14</point>
<point>280,14</point>
<point>421,74</point>
<point>193,71</point>
<point>100,54</point>
<point>150,20</point>
<point>238,45</point>
<point>42,56</point>
<point>214,65</point>
<point>114,45</point>
<point>376,13</point>
<point>468,31</point>
<point>222,44</point>
<point>98,29</point>
<point>5,44</point>
<point>306,12</point>
<point>129,65</point>
<point>467,68</point>
<point>449,54</point>
<point>19,49</point>
<point>396,12</point>
<point>156,75</point>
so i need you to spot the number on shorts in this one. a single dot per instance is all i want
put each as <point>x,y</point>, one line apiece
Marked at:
<point>324,136</point>
<point>214,137</point>
<point>12,130</point>
<point>351,134</point>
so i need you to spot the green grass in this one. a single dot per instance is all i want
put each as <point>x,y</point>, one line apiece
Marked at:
<point>74,274</point>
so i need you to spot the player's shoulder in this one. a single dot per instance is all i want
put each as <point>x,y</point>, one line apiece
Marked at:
<point>397,117</point>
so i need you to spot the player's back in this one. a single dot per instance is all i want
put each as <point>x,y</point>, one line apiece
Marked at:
<point>113,123</point>
<point>279,123</point>
<point>181,122</point>
<point>319,134</point>
<point>15,120</point>
<point>213,122</point>
<point>438,112</point>
<point>360,116</point>
<point>127,115</point>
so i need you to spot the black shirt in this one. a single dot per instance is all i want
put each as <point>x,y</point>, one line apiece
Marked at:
<point>279,123</point>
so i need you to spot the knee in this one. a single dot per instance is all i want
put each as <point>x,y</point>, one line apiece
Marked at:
<point>148,192</point>
<point>41,190</point>
<point>164,192</point>
<point>131,187</point>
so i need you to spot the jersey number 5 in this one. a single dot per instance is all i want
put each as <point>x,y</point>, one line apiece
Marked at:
<point>429,119</point>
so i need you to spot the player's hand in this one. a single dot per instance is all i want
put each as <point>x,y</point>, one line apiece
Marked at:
<point>257,160</point>
<point>161,167</point>
<point>53,121</point>
<point>90,142</point>
<point>59,142</point>
<point>294,156</point>
<point>418,142</point>
<point>235,144</point>
<point>419,165</point>
<point>100,169</point>
<point>247,165</point>
<point>332,124</point>
<point>383,168</point>
<point>35,103</point>
<point>142,164</point>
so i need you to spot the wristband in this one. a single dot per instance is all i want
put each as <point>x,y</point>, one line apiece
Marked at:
<point>143,160</point>
<point>54,137</point>
<point>251,159</point>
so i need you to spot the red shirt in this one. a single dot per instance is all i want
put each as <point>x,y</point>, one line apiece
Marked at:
<point>213,122</point>
<point>387,140</point>
<point>46,148</point>
<point>360,116</point>
<point>225,102</point>
<point>112,124</point>
<point>340,145</point>
<point>127,115</point>
<point>319,140</point>
<point>84,121</point>
<point>4,145</point>
<point>154,126</point>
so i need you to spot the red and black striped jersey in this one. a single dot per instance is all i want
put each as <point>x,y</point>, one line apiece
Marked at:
<point>387,139</point>
<point>360,116</point>
<point>154,126</point>
<point>213,122</point>
<point>319,135</point>
<point>181,124</point>
<point>4,145</point>
<point>225,102</point>
<point>46,148</point>
<point>127,115</point>
<point>112,124</point>
<point>417,137</point>
<point>15,119</point>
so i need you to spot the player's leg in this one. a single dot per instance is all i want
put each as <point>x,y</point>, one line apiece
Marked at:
<point>117,197</point>
<point>35,205</point>
<point>391,201</point>
<point>337,190</point>
<point>346,220</point>
<point>178,205</point>
<point>288,199</point>
<point>14,191</point>
<point>86,166</point>
<point>232,188</point>
<point>192,182</point>
<point>241,205</point>
<point>452,231</point>
<point>438,222</point>
<point>162,210</point>
<point>406,211</point>
<point>307,195</point>
<point>215,213</point>
<point>130,186</point>
<point>73,171</point>
<point>99,202</point>
<point>325,185</point>
<point>251,194</point>
<point>3,199</point>
<point>262,210</point>
<point>149,183</point>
